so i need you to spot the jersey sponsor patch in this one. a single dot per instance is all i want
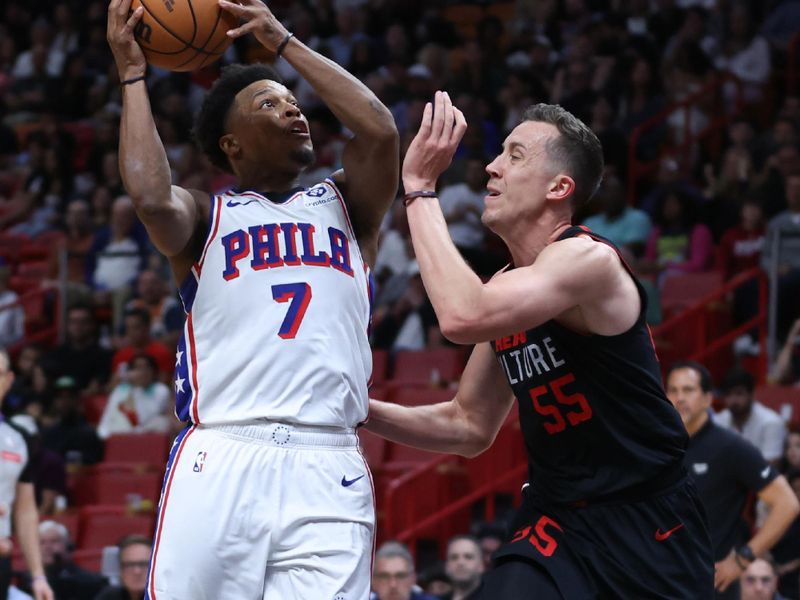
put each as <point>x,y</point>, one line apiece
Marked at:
<point>700,468</point>
<point>312,202</point>
<point>11,456</point>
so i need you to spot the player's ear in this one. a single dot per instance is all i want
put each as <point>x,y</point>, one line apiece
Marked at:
<point>230,145</point>
<point>561,187</point>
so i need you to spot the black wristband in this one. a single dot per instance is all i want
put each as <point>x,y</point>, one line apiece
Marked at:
<point>132,80</point>
<point>411,196</point>
<point>282,45</point>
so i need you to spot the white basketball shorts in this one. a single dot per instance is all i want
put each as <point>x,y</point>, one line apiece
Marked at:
<point>264,511</point>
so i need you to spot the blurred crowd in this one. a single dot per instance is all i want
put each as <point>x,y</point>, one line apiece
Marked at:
<point>682,194</point>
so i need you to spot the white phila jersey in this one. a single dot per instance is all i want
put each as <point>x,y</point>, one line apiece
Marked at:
<point>278,308</point>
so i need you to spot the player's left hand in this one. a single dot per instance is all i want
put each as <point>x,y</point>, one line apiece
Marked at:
<point>259,21</point>
<point>432,149</point>
<point>41,590</point>
<point>726,572</point>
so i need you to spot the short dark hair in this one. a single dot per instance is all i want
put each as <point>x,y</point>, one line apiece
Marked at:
<point>464,536</point>
<point>211,123</point>
<point>706,383</point>
<point>577,148</point>
<point>134,540</point>
<point>738,377</point>
<point>151,362</point>
<point>139,313</point>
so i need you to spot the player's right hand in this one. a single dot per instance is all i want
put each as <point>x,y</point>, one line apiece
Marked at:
<point>432,149</point>
<point>119,33</point>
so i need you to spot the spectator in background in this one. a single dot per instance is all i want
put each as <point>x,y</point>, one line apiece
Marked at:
<point>677,243</point>
<point>12,318</point>
<point>434,581</point>
<point>139,403</point>
<point>80,356</point>
<point>726,468</point>
<point>64,429</point>
<point>760,581</point>
<point>153,296</point>
<point>137,340</point>
<point>30,383</point>
<point>759,425</point>
<point>741,246</point>
<point>116,257</point>
<point>464,565</point>
<point>787,551</point>
<point>786,226</point>
<point>462,206</point>
<point>134,560</point>
<point>68,580</point>
<point>744,53</point>
<point>791,454</point>
<point>76,243</point>
<point>490,537</point>
<point>786,369</point>
<point>626,226</point>
<point>393,576</point>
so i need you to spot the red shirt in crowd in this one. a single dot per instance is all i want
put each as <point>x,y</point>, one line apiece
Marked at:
<point>739,250</point>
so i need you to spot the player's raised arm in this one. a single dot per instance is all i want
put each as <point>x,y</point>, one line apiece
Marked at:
<point>572,273</point>
<point>169,213</point>
<point>466,425</point>
<point>371,156</point>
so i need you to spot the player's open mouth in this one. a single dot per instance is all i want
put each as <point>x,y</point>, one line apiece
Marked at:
<point>492,193</point>
<point>299,128</point>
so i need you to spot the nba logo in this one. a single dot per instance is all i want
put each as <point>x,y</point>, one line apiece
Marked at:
<point>199,462</point>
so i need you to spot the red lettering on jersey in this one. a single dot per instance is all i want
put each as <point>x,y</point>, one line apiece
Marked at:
<point>11,456</point>
<point>550,543</point>
<point>558,424</point>
<point>519,339</point>
<point>585,412</point>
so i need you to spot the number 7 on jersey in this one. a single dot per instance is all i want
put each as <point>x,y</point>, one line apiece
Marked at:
<point>299,295</point>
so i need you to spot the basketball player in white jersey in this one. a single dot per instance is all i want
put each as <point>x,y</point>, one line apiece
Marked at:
<point>266,494</point>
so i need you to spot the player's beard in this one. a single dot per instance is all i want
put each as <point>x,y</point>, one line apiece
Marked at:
<point>304,157</point>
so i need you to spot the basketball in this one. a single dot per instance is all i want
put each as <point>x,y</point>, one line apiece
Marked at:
<point>183,35</point>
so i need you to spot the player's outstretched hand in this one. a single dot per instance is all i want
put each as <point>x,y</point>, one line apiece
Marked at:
<point>119,33</point>
<point>258,20</point>
<point>431,151</point>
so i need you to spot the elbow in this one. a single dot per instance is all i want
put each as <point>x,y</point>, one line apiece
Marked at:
<point>477,443</point>
<point>460,329</point>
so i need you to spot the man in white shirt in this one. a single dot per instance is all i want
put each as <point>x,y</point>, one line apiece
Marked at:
<point>759,425</point>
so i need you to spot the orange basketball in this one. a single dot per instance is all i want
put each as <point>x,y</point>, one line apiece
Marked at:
<point>183,35</point>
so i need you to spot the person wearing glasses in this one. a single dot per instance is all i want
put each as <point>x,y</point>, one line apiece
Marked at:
<point>134,561</point>
<point>394,576</point>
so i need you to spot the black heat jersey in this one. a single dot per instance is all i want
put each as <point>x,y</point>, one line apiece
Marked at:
<point>593,412</point>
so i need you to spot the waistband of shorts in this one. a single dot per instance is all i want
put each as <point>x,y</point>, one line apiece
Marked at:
<point>289,435</point>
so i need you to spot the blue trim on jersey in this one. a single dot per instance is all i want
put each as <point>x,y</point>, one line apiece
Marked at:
<point>187,291</point>
<point>183,386</point>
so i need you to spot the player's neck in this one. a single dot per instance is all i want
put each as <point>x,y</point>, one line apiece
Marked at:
<point>526,247</point>
<point>261,180</point>
<point>695,426</point>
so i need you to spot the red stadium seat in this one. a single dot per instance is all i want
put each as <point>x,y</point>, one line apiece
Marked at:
<point>36,269</point>
<point>91,559</point>
<point>373,447</point>
<point>150,448</point>
<point>93,407</point>
<point>410,395</point>
<point>33,252</point>
<point>107,525</point>
<point>428,366</point>
<point>784,400</point>
<point>380,366</point>
<point>119,488</point>
<point>682,291</point>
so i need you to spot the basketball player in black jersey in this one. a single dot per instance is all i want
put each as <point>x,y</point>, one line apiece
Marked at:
<point>609,513</point>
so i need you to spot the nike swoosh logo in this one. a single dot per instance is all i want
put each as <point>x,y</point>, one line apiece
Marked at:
<point>231,203</point>
<point>348,482</point>
<point>661,536</point>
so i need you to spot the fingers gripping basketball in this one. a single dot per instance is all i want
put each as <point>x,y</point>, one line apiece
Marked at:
<point>182,35</point>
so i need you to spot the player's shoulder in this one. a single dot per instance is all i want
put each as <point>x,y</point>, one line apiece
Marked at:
<point>582,252</point>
